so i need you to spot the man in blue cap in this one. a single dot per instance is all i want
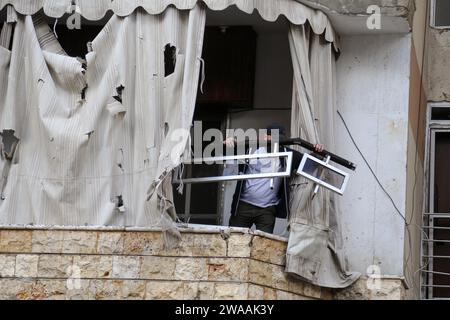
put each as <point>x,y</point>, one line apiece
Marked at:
<point>258,201</point>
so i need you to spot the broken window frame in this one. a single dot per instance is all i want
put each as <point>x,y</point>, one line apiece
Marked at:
<point>433,8</point>
<point>285,173</point>
<point>321,182</point>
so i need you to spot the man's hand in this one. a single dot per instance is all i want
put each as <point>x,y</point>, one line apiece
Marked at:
<point>318,148</point>
<point>229,142</point>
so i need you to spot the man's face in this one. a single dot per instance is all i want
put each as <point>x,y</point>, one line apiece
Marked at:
<point>267,137</point>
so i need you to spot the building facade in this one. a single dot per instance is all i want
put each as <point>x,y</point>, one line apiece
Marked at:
<point>390,73</point>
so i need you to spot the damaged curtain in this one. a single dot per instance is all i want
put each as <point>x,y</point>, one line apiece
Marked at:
<point>315,250</point>
<point>94,139</point>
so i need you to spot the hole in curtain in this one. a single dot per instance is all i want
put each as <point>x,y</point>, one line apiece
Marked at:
<point>8,144</point>
<point>170,59</point>
<point>118,96</point>
<point>119,203</point>
<point>166,129</point>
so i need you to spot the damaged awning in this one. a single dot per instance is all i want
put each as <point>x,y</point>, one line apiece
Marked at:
<point>295,12</point>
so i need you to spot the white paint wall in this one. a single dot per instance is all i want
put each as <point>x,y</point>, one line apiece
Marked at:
<point>373,96</point>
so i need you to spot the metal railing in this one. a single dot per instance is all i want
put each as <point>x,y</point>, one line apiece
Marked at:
<point>436,274</point>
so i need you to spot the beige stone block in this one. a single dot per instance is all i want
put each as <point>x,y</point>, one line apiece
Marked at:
<point>79,242</point>
<point>194,290</point>
<point>50,290</point>
<point>24,289</point>
<point>198,245</point>
<point>191,291</point>
<point>205,290</point>
<point>303,288</point>
<point>310,290</point>
<point>47,241</point>
<point>296,285</point>
<point>284,295</point>
<point>26,265</point>
<point>209,245</point>
<point>93,266</point>
<point>230,291</point>
<point>126,267</point>
<point>255,292</point>
<point>268,250</point>
<point>15,241</point>
<point>142,243</point>
<point>110,242</point>
<point>267,274</point>
<point>228,269</point>
<point>164,290</point>
<point>184,248</point>
<point>77,289</point>
<point>191,269</point>
<point>157,267</point>
<point>239,245</point>
<point>386,289</point>
<point>13,289</point>
<point>326,294</point>
<point>27,289</point>
<point>105,289</point>
<point>54,266</point>
<point>7,265</point>
<point>269,294</point>
<point>17,289</point>
<point>133,289</point>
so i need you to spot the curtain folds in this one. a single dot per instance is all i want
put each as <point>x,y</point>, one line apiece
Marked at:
<point>91,135</point>
<point>315,251</point>
<point>296,12</point>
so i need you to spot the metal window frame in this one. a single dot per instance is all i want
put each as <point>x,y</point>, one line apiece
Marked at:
<point>321,182</point>
<point>432,124</point>
<point>426,249</point>
<point>428,243</point>
<point>433,16</point>
<point>285,173</point>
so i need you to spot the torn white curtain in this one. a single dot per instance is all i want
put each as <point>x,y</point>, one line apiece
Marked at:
<point>93,140</point>
<point>315,251</point>
<point>296,12</point>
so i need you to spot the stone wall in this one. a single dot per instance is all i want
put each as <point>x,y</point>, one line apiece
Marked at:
<point>132,264</point>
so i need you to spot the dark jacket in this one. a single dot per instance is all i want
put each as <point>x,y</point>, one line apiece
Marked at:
<point>282,209</point>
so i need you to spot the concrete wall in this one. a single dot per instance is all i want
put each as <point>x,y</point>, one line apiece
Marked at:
<point>373,93</point>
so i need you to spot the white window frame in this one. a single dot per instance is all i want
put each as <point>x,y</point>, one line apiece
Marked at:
<point>322,183</point>
<point>433,16</point>
<point>285,173</point>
